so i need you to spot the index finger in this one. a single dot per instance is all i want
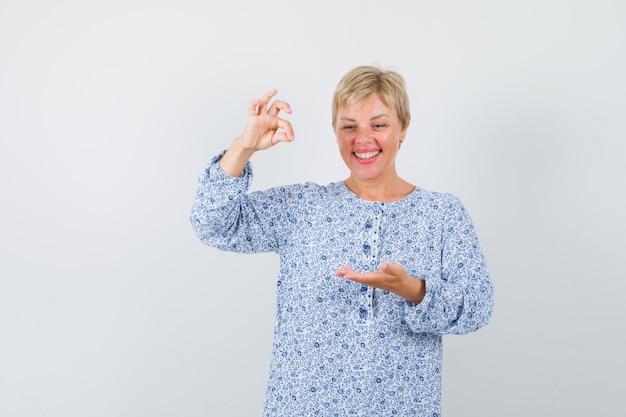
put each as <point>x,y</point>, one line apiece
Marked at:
<point>277,106</point>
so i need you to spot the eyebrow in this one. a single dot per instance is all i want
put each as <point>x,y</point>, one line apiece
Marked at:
<point>371,118</point>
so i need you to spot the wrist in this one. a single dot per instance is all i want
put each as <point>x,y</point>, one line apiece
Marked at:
<point>238,148</point>
<point>414,290</point>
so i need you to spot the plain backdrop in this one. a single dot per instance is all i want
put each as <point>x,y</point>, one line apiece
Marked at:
<point>110,110</point>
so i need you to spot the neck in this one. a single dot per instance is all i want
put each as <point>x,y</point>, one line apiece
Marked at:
<point>384,192</point>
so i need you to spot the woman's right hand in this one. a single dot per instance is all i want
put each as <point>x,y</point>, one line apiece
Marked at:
<point>265,128</point>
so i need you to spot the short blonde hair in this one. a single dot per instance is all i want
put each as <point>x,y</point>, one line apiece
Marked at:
<point>361,82</point>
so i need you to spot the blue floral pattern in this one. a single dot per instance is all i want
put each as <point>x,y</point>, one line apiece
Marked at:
<point>341,348</point>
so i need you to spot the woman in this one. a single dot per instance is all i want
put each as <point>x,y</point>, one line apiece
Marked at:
<point>373,270</point>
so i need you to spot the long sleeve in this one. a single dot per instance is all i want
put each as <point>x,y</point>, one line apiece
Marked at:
<point>224,215</point>
<point>459,292</point>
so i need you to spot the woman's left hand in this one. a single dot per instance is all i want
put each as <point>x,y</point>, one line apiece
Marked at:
<point>390,277</point>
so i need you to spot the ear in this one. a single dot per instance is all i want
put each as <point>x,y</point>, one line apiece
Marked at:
<point>403,132</point>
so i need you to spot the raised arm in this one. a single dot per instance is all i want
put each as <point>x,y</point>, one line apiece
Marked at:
<point>224,215</point>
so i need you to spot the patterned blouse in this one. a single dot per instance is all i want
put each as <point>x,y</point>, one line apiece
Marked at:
<point>341,348</point>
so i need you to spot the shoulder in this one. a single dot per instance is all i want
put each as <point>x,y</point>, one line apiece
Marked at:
<point>309,192</point>
<point>437,199</point>
<point>436,204</point>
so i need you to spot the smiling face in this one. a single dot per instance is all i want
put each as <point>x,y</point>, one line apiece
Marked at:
<point>369,135</point>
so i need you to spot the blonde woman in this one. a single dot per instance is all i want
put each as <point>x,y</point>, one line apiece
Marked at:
<point>373,269</point>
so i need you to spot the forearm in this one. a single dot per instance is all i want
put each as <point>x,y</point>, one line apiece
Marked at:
<point>452,308</point>
<point>235,159</point>
<point>216,212</point>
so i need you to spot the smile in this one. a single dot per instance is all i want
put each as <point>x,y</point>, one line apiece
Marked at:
<point>366,155</point>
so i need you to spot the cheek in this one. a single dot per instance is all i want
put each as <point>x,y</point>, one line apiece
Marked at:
<point>343,149</point>
<point>343,141</point>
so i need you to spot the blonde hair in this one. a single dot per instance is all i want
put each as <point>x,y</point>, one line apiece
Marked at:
<point>361,82</point>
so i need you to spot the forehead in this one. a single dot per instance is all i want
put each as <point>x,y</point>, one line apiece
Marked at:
<point>366,107</point>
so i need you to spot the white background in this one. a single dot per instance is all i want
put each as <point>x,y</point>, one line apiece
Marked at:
<point>109,111</point>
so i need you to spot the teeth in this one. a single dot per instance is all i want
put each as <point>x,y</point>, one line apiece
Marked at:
<point>367,155</point>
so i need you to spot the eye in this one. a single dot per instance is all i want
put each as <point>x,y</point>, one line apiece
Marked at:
<point>379,126</point>
<point>348,127</point>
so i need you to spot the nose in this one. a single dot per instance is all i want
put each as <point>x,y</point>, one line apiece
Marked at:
<point>363,137</point>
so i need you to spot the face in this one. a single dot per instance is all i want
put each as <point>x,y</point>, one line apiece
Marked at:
<point>369,135</point>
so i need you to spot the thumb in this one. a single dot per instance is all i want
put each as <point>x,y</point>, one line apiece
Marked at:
<point>393,269</point>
